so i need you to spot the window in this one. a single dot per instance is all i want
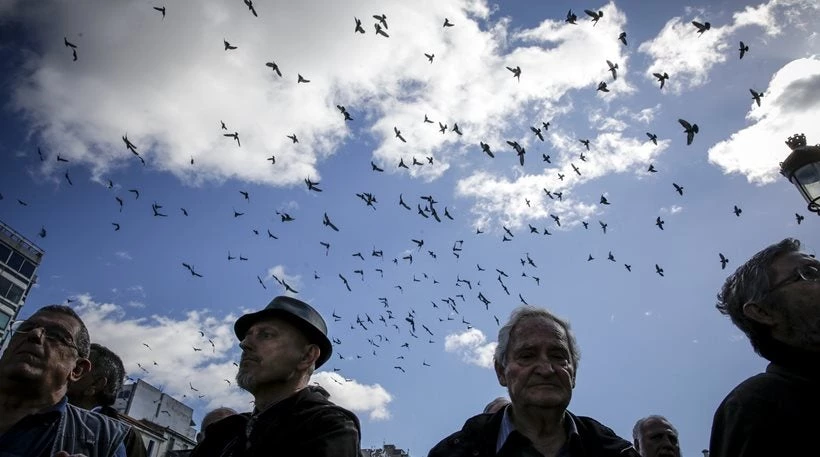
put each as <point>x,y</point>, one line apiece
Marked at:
<point>5,252</point>
<point>27,269</point>
<point>16,261</point>
<point>150,448</point>
<point>15,293</point>
<point>4,319</point>
<point>5,285</point>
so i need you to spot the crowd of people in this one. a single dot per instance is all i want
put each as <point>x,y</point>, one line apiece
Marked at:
<point>57,388</point>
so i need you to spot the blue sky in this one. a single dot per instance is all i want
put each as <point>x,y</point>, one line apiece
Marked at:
<point>650,344</point>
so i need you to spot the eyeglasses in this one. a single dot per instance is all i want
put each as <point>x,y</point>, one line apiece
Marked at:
<point>52,332</point>
<point>805,272</point>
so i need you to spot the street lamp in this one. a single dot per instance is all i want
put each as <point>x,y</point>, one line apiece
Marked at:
<point>802,168</point>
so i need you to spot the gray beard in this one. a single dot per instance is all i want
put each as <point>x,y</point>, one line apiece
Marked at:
<point>245,381</point>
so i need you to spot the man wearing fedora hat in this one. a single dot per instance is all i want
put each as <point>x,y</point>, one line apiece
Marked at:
<point>281,347</point>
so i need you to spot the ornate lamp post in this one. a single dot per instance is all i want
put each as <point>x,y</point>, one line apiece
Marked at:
<point>802,168</point>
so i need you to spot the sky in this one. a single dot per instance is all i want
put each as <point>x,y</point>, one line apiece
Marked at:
<point>650,344</point>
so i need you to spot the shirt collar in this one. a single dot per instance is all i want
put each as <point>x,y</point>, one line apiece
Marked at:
<point>507,427</point>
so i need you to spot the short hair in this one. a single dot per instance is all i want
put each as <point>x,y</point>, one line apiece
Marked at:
<point>751,282</point>
<point>81,339</point>
<point>105,363</point>
<point>637,430</point>
<point>525,312</point>
<point>496,404</point>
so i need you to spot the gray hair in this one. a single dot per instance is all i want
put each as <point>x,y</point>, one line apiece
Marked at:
<point>105,363</point>
<point>637,430</point>
<point>751,283</point>
<point>81,339</point>
<point>525,312</point>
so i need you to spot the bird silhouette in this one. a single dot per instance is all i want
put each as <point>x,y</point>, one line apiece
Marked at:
<point>344,112</point>
<point>516,72</point>
<point>326,221</point>
<point>380,31</point>
<point>658,270</point>
<point>447,23</point>
<point>661,77</point>
<point>701,27</point>
<point>604,200</point>
<point>486,148</point>
<point>274,67</point>
<point>249,4</point>
<point>228,47</point>
<point>743,49</point>
<point>301,79</point>
<point>651,168</point>
<point>689,129</point>
<point>375,167</point>
<point>723,261</point>
<point>537,133</point>
<point>382,18</point>
<point>737,211</point>
<point>756,96</point>
<point>358,26</point>
<point>398,134</point>
<point>659,222</point>
<point>235,136</point>
<point>293,138</point>
<point>678,188</point>
<point>653,138</point>
<point>602,87</point>
<point>613,68</point>
<point>429,57</point>
<point>571,17</point>
<point>312,185</point>
<point>161,10</point>
<point>799,218</point>
<point>594,16</point>
<point>622,37</point>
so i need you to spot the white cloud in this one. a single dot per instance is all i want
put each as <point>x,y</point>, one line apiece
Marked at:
<point>123,255</point>
<point>357,397</point>
<point>172,363</point>
<point>294,281</point>
<point>791,104</point>
<point>688,57</point>
<point>472,346</point>
<point>674,209</point>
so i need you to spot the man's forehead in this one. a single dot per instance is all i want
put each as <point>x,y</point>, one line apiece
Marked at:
<point>784,264</point>
<point>51,317</point>
<point>533,329</point>
<point>657,424</point>
<point>273,322</point>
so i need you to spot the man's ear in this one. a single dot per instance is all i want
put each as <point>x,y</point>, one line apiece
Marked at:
<point>637,445</point>
<point>499,372</point>
<point>758,314</point>
<point>81,368</point>
<point>311,355</point>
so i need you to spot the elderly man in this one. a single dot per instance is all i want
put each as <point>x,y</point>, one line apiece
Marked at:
<point>774,298</point>
<point>536,359</point>
<point>97,391</point>
<point>654,436</point>
<point>281,347</point>
<point>47,351</point>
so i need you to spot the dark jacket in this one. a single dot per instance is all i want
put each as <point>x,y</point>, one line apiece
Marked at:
<point>479,435</point>
<point>134,445</point>
<point>772,413</point>
<point>305,424</point>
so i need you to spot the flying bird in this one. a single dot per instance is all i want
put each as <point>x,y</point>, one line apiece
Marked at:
<point>344,112</point>
<point>516,72</point>
<point>743,49</point>
<point>658,270</point>
<point>613,68</point>
<point>622,37</point>
<point>486,148</point>
<point>161,10</point>
<point>228,47</point>
<point>799,218</point>
<point>723,261</point>
<point>571,17</point>
<point>602,87</point>
<point>701,27</point>
<point>737,211</point>
<point>249,4</point>
<point>595,16</point>
<point>302,79</point>
<point>312,185</point>
<point>653,138</point>
<point>429,57</point>
<point>756,96</point>
<point>537,133</point>
<point>447,23</point>
<point>293,138</point>
<point>326,221</point>
<point>235,136</point>
<point>689,129</point>
<point>398,134</point>
<point>661,77</point>
<point>274,67</point>
<point>678,188</point>
<point>659,222</point>
<point>380,31</point>
<point>651,168</point>
<point>358,26</point>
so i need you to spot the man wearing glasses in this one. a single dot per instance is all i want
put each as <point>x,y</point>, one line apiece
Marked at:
<point>774,298</point>
<point>45,353</point>
<point>281,347</point>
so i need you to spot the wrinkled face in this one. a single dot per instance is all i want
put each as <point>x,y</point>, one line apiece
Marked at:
<point>539,370</point>
<point>36,361</point>
<point>795,305</point>
<point>273,352</point>
<point>658,439</point>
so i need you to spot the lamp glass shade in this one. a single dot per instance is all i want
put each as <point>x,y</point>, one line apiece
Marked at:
<point>807,180</point>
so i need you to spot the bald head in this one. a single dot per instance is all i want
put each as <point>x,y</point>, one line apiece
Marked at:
<point>214,416</point>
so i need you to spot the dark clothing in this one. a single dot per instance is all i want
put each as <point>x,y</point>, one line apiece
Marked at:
<point>64,427</point>
<point>305,424</point>
<point>478,438</point>
<point>772,413</point>
<point>134,445</point>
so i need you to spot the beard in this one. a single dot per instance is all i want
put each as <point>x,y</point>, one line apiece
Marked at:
<point>245,381</point>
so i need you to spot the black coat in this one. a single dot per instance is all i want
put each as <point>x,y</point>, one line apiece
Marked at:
<point>479,435</point>
<point>305,424</point>
<point>770,414</point>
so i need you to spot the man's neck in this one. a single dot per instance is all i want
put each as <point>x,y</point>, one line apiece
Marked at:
<point>543,426</point>
<point>268,396</point>
<point>15,405</point>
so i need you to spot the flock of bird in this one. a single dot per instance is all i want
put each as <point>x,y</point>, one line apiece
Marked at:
<point>393,326</point>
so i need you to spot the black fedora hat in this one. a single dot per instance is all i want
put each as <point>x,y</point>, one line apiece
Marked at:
<point>298,313</point>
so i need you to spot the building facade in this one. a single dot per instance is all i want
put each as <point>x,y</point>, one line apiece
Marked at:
<point>19,259</point>
<point>168,423</point>
<point>387,450</point>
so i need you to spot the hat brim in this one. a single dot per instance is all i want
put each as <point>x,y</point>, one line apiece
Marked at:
<point>244,323</point>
